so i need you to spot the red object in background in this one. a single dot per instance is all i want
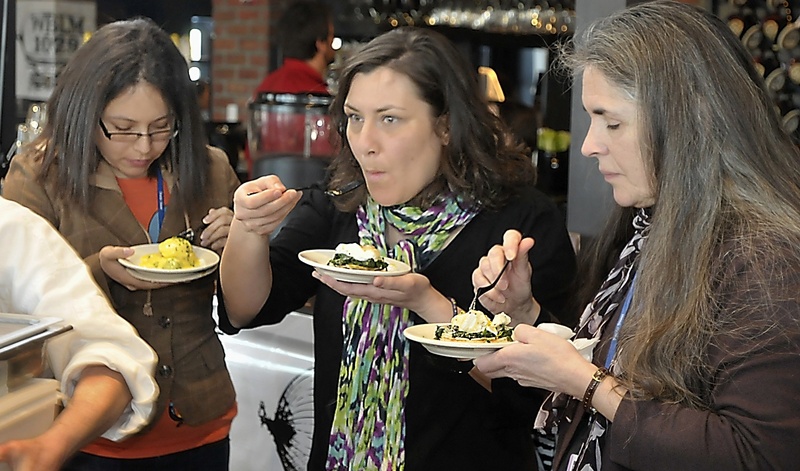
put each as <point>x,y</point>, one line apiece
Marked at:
<point>294,76</point>
<point>283,124</point>
<point>294,133</point>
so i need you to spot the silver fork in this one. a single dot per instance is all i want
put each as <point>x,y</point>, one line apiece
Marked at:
<point>190,234</point>
<point>335,192</point>
<point>483,289</point>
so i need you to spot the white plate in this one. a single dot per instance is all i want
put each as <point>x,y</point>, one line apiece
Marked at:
<point>169,277</point>
<point>584,346</point>
<point>465,350</point>
<point>319,260</point>
<point>208,262</point>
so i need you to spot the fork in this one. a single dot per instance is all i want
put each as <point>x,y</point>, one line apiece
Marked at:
<point>190,234</point>
<point>335,192</point>
<point>345,189</point>
<point>483,289</point>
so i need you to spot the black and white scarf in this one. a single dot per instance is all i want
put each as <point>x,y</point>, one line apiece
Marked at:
<point>560,408</point>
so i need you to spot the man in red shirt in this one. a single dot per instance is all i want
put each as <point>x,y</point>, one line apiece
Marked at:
<point>305,36</point>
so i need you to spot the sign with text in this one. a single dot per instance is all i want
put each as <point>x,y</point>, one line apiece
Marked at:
<point>48,33</point>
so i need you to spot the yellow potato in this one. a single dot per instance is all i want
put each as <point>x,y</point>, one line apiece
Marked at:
<point>174,253</point>
<point>171,263</point>
<point>150,260</point>
<point>176,247</point>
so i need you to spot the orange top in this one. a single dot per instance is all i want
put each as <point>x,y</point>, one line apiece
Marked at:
<point>141,196</point>
<point>166,437</point>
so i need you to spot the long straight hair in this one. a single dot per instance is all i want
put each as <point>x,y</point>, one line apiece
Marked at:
<point>119,56</point>
<point>726,180</point>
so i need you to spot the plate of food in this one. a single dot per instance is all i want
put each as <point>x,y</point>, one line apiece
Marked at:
<point>467,336</point>
<point>353,263</point>
<point>175,260</point>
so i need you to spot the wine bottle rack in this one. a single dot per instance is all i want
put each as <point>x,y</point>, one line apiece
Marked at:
<point>770,30</point>
<point>515,18</point>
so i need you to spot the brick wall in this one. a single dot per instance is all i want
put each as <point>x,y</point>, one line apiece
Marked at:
<point>240,57</point>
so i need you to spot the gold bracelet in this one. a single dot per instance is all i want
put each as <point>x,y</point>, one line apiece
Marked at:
<point>597,378</point>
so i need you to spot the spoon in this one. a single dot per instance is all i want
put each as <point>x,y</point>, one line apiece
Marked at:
<point>335,192</point>
<point>483,289</point>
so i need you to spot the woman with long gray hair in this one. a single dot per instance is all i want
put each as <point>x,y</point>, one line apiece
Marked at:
<point>693,291</point>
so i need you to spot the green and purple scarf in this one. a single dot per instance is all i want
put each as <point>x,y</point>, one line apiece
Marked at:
<point>369,429</point>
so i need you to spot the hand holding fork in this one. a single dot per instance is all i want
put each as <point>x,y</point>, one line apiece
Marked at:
<point>483,289</point>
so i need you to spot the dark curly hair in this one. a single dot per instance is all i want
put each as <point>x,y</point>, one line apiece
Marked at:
<point>481,163</point>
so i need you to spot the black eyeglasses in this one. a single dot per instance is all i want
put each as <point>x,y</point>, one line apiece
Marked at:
<point>129,136</point>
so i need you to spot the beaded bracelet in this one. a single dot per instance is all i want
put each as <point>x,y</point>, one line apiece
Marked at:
<point>456,309</point>
<point>597,378</point>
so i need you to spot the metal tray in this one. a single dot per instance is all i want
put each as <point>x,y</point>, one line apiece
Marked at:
<point>16,327</point>
<point>22,340</point>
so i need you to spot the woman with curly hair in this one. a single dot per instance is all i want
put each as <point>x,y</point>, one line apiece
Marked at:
<point>441,183</point>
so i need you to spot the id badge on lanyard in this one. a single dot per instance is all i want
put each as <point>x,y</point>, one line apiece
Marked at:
<point>573,462</point>
<point>154,233</point>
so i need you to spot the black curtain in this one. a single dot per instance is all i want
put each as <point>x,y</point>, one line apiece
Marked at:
<point>8,105</point>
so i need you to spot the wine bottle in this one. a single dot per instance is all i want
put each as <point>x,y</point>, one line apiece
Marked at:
<point>774,74</point>
<point>775,4</point>
<point>736,23</point>
<point>747,28</point>
<point>791,121</point>
<point>772,24</point>
<point>788,37</point>
<point>793,71</point>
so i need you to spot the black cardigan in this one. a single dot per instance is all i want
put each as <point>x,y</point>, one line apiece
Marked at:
<point>451,421</point>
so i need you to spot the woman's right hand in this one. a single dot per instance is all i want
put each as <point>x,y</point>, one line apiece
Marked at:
<point>261,205</point>
<point>512,294</point>
<point>109,256</point>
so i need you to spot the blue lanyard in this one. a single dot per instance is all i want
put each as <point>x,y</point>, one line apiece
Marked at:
<point>612,348</point>
<point>161,206</point>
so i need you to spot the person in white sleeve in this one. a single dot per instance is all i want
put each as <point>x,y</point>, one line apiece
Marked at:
<point>104,367</point>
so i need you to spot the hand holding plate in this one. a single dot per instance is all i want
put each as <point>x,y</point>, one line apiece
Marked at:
<point>109,261</point>
<point>160,277</point>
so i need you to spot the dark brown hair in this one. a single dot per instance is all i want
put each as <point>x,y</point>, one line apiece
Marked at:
<point>301,26</point>
<point>117,57</point>
<point>480,163</point>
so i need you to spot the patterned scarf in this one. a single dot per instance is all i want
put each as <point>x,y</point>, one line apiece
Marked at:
<point>369,423</point>
<point>559,407</point>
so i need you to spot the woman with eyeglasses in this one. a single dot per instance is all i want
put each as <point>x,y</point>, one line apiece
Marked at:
<point>123,161</point>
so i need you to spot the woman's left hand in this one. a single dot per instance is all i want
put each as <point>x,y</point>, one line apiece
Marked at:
<point>544,360</point>
<point>412,291</point>
<point>541,360</point>
<point>218,224</point>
